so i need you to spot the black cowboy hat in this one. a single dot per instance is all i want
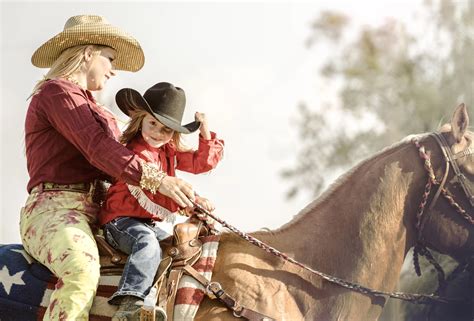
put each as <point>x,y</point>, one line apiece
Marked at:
<point>163,101</point>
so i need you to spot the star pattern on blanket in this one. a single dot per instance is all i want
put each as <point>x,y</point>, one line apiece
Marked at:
<point>8,280</point>
<point>26,286</point>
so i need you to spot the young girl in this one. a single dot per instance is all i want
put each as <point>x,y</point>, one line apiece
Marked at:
<point>130,213</point>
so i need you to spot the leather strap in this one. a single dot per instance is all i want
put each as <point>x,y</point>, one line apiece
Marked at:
<point>214,290</point>
<point>451,159</point>
<point>116,257</point>
<point>172,288</point>
<point>147,312</point>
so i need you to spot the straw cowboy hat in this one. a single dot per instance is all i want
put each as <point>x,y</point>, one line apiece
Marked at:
<point>163,100</point>
<point>88,30</point>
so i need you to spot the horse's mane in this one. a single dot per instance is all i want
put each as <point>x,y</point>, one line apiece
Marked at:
<point>341,180</point>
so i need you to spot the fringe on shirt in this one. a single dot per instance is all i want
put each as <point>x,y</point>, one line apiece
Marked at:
<point>151,207</point>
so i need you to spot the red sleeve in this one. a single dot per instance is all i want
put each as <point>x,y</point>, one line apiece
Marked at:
<point>71,115</point>
<point>205,158</point>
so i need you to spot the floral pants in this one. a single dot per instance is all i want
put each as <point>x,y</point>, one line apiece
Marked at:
<point>55,230</point>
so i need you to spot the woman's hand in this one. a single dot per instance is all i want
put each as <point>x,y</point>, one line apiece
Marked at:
<point>178,190</point>
<point>204,129</point>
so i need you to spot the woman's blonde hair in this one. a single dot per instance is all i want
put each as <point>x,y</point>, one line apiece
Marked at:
<point>135,125</point>
<point>67,63</point>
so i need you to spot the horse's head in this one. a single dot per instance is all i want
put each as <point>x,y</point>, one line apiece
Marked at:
<point>448,223</point>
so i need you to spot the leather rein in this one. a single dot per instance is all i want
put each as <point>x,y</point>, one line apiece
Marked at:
<point>410,297</point>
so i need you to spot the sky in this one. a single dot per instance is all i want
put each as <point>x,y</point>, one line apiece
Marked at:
<point>244,64</point>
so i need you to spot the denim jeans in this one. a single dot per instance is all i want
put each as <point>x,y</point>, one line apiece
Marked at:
<point>141,241</point>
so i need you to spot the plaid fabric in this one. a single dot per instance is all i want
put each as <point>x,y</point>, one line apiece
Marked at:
<point>26,286</point>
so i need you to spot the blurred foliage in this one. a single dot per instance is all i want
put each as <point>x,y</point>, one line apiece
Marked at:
<point>392,80</point>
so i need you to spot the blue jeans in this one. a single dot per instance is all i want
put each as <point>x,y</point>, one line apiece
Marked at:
<point>141,241</point>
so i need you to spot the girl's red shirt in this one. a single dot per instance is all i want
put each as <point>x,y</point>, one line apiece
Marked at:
<point>121,202</point>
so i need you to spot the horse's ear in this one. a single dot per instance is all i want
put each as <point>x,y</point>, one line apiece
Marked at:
<point>459,122</point>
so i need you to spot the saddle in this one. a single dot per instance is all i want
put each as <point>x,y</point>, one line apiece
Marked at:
<point>181,251</point>
<point>182,246</point>
<point>112,261</point>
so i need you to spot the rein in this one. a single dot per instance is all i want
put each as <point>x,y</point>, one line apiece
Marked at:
<point>410,297</point>
<point>415,298</point>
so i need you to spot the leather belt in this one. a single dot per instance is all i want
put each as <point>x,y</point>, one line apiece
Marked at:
<point>76,187</point>
<point>98,189</point>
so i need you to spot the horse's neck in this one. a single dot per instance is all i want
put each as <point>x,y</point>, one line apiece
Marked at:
<point>358,230</point>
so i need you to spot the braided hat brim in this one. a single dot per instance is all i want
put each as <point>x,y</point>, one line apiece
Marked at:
<point>130,56</point>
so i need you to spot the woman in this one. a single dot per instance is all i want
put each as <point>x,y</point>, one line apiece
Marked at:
<point>71,144</point>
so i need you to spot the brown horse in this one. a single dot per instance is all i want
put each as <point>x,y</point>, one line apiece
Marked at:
<point>360,230</point>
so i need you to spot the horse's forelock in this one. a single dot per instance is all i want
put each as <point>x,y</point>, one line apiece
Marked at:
<point>445,128</point>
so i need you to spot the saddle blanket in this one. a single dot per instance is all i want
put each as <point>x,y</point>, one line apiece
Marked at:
<point>26,286</point>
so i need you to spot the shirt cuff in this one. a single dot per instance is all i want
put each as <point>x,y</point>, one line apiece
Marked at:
<point>132,173</point>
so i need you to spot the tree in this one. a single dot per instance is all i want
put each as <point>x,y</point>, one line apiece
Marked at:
<point>391,81</point>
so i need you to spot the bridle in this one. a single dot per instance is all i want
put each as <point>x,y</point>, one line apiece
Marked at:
<point>450,161</point>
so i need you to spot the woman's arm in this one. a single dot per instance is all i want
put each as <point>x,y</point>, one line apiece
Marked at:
<point>71,115</point>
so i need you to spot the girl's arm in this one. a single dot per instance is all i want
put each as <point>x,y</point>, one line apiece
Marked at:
<point>205,158</point>
<point>204,128</point>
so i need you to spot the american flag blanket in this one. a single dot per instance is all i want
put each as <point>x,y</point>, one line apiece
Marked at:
<point>26,286</point>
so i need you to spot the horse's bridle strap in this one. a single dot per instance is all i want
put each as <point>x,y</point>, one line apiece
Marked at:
<point>464,153</point>
<point>215,289</point>
<point>451,159</point>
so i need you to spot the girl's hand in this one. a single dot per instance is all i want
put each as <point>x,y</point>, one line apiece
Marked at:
<point>204,129</point>
<point>208,206</point>
<point>205,203</point>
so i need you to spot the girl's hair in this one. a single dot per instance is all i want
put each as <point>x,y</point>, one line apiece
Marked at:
<point>67,63</point>
<point>135,125</point>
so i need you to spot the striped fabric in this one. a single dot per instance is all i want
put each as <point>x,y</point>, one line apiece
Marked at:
<point>190,292</point>
<point>26,286</point>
